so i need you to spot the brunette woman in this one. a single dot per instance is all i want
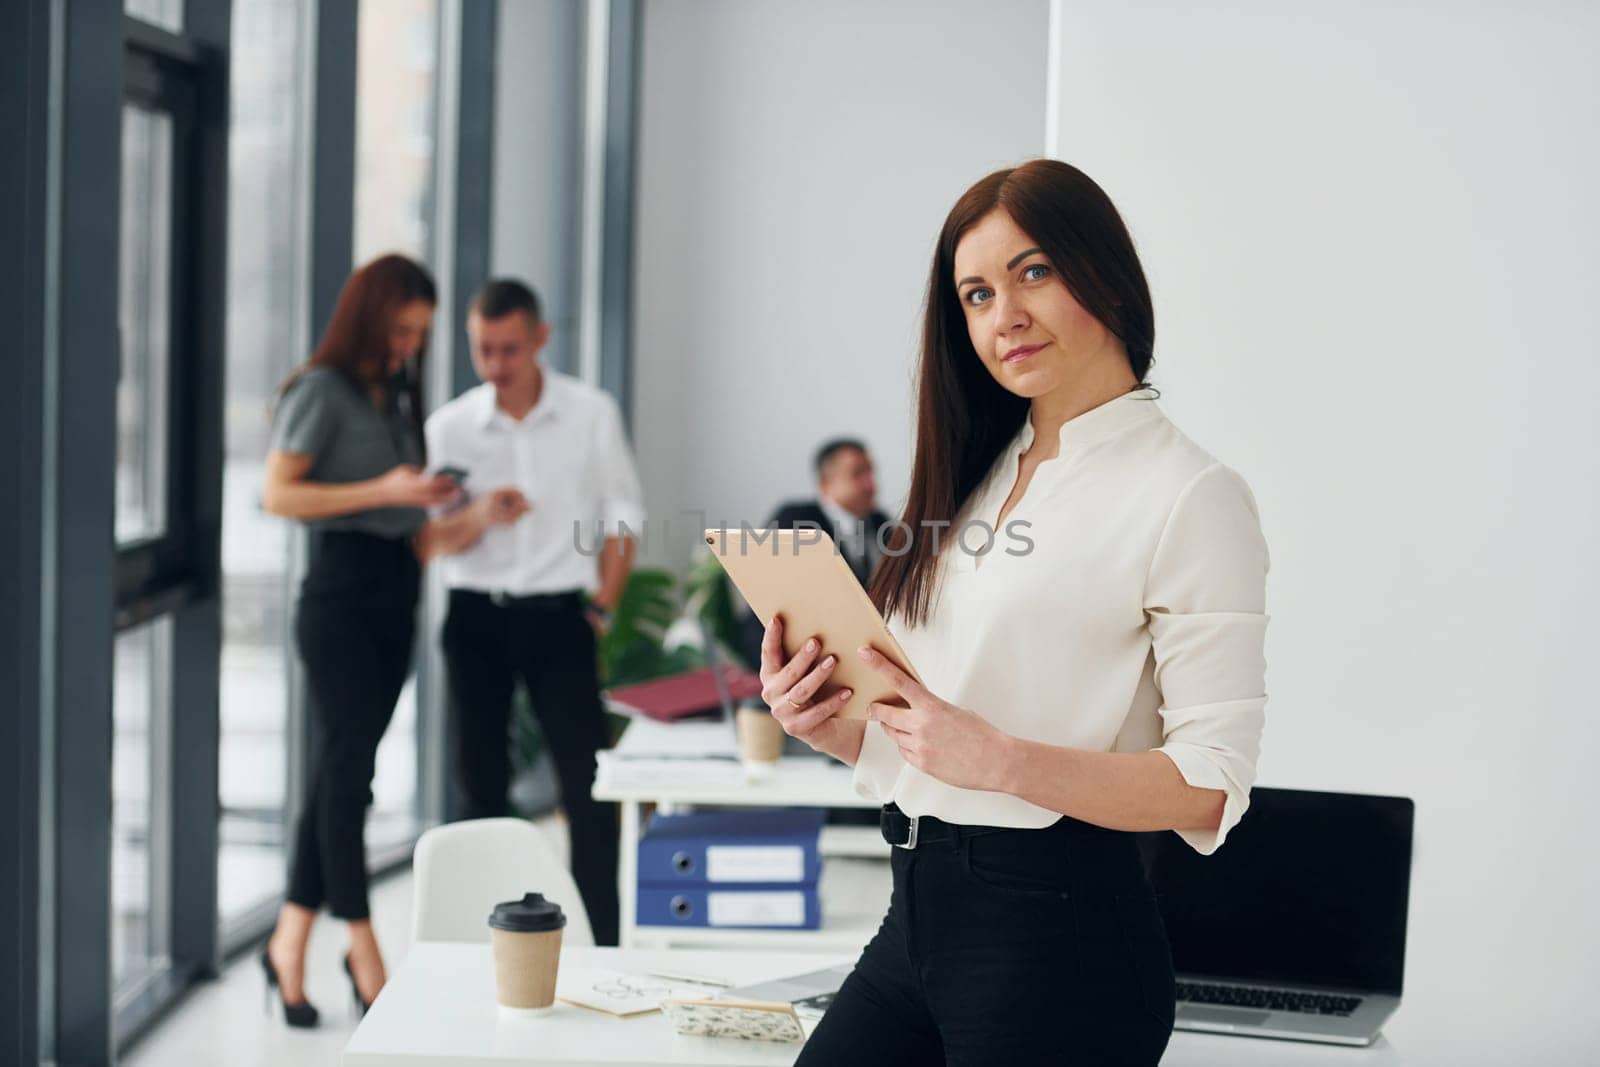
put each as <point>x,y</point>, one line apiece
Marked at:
<point>346,458</point>
<point>1082,590</point>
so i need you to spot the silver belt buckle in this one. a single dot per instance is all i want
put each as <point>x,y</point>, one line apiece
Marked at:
<point>911,842</point>
<point>499,598</point>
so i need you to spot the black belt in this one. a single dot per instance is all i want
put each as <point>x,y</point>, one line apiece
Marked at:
<point>570,600</point>
<point>908,831</point>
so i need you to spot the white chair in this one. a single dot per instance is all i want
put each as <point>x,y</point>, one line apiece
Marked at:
<point>462,870</point>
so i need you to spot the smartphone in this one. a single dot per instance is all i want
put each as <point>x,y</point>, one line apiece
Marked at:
<point>455,474</point>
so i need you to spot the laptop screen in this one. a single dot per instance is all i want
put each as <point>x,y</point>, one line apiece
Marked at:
<point>1310,889</point>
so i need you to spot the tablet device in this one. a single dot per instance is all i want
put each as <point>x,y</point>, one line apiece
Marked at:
<point>800,575</point>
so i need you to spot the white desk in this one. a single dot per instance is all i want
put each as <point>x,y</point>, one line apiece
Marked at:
<point>438,1010</point>
<point>849,917</point>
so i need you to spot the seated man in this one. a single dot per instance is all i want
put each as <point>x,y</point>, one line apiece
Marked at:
<point>845,508</point>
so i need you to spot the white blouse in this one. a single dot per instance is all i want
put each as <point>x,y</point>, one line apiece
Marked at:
<point>1135,620</point>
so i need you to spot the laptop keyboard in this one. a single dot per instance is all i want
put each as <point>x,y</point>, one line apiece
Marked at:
<point>1236,996</point>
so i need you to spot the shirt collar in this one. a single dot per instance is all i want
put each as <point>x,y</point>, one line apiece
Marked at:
<point>549,403</point>
<point>1098,424</point>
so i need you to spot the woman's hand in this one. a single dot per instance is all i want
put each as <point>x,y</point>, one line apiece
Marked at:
<point>405,486</point>
<point>788,688</point>
<point>949,743</point>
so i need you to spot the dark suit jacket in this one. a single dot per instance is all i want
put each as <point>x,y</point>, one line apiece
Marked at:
<point>792,514</point>
<point>789,517</point>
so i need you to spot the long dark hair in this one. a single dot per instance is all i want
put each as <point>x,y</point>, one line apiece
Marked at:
<point>356,342</point>
<point>964,417</point>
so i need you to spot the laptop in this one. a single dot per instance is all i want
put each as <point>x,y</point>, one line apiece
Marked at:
<point>1295,927</point>
<point>810,994</point>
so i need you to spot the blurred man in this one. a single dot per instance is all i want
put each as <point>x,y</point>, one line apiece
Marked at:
<point>845,504</point>
<point>845,507</point>
<point>543,461</point>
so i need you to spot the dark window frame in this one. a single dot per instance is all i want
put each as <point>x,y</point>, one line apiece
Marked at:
<point>176,574</point>
<point>156,576</point>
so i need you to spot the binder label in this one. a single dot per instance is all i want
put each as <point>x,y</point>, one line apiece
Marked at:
<point>752,863</point>
<point>756,909</point>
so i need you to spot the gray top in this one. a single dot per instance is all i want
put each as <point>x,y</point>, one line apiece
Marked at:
<point>324,414</point>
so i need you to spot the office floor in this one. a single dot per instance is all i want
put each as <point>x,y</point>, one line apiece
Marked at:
<point>225,1022</point>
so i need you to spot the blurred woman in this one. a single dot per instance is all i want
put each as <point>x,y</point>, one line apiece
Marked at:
<point>346,459</point>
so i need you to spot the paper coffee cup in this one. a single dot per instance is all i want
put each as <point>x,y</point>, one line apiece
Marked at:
<point>525,936</point>
<point>760,736</point>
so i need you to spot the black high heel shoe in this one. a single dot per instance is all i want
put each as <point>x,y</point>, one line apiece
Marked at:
<point>362,1006</point>
<point>302,1016</point>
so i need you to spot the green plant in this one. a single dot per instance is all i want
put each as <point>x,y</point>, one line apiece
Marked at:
<point>708,595</point>
<point>632,648</point>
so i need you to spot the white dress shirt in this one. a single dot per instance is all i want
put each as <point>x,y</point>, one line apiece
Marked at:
<point>1136,622</point>
<point>570,459</point>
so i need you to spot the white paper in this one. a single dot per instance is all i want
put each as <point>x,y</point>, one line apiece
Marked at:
<point>755,863</point>
<point>648,773</point>
<point>756,909</point>
<point>648,739</point>
<point>621,993</point>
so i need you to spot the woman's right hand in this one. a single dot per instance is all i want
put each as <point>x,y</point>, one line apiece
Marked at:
<point>788,688</point>
<point>406,486</point>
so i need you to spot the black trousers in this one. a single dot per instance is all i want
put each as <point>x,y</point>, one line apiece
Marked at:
<point>548,644</point>
<point>1014,947</point>
<point>354,626</point>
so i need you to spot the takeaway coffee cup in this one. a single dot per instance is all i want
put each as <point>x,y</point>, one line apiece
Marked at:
<point>760,737</point>
<point>526,938</point>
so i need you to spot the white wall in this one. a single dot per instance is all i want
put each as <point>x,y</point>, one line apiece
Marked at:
<point>796,160</point>
<point>1371,233</point>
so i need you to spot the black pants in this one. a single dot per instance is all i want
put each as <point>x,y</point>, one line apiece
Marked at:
<point>550,646</point>
<point>354,627</point>
<point>1016,947</point>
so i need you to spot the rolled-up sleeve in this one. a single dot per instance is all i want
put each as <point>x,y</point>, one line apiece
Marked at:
<point>1205,600</point>
<point>621,498</point>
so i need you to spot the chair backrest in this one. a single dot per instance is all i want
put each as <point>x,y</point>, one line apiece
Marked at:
<point>462,870</point>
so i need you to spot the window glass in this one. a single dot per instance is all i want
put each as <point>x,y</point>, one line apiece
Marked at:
<point>396,107</point>
<point>266,337</point>
<point>140,773</point>
<point>168,14</point>
<point>144,312</point>
<point>396,104</point>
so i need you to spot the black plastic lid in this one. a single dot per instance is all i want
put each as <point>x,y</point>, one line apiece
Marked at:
<point>531,915</point>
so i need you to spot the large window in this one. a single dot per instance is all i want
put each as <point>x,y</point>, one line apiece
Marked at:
<point>396,101</point>
<point>162,573</point>
<point>148,527</point>
<point>266,337</point>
